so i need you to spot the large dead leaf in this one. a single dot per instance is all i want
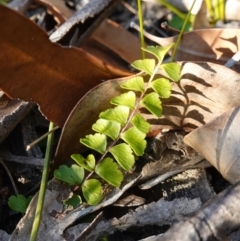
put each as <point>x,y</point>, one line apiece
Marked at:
<point>211,45</point>
<point>218,141</point>
<point>205,91</point>
<point>34,69</point>
<point>124,44</point>
<point>83,116</point>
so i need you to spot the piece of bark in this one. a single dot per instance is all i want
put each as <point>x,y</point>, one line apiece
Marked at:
<point>22,159</point>
<point>4,236</point>
<point>83,22</point>
<point>11,114</point>
<point>218,218</point>
<point>55,221</point>
<point>20,6</point>
<point>156,213</point>
<point>191,183</point>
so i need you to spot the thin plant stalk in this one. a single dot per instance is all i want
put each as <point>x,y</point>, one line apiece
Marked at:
<point>173,9</point>
<point>140,19</point>
<point>219,10</point>
<point>181,33</point>
<point>210,11</point>
<point>43,186</point>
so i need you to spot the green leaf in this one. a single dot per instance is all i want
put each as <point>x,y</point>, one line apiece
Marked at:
<point>119,114</point>
<point>72,175</point>
<point>178,21</point>
<point>92,191</point>
<point>162,86</point>
<point>146,65</point>
<point>135,83</point>
<point>97,142</point>
<point>108,170</point>
<point>152,103</point>
<point>158,51</point>
<point>88,163</point>
<point>123,155</point>
<point>19,203</point>
<point>127,99</point>
<point>139,122</point>
<point>107,127</point>
<point>173,71</point>
<point>74,201</point>
<point>135,139</point>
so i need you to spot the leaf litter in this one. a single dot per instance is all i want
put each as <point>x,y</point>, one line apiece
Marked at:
<point>201,96</point>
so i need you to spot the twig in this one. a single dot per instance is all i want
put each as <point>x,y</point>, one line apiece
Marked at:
<point>10,176</point>
<point>29,146</point>
<point>165,25</point>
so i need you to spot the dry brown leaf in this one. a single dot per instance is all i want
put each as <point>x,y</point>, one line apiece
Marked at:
<point>58,8</point>
<point>211,45</point>
<point>34,69</point>
<point>218,141</point>
<point>119,40</point>
<point>124,44</point>
<point>82,117</point>
<point>205,91</point>
<point>201,19</point>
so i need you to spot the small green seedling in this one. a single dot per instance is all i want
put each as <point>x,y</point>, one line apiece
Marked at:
<point>73,201</point>
<point>19,203</point>
<point>121,130</point>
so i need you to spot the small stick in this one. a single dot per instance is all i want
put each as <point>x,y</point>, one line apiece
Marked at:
<point>40,138</point>
<point>165,25</point>
<point>10,176</point>
<point>129,8</point>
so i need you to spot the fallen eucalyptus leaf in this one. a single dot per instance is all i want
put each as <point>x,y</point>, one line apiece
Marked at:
<point>212,45</point>
<point>201,95</point>
<point>52,76</point>
<point>218,141</point>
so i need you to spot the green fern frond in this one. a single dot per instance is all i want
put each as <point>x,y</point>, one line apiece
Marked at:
<point>121,130</point>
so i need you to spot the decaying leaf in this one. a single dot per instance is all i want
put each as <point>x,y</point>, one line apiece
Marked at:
<point>211,45</point>
<point>205,91</point>
<point>125,44</point>
<point>34,69</point>
<point>218,141</point>
<point>83,116</point>
<point>58,8</point>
